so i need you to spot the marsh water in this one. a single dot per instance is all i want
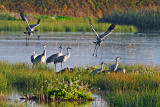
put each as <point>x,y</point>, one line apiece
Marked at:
<point>15,99</point>
<point>140,48</point>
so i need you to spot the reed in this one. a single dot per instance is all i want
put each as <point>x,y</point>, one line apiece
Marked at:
<point>3,82</point>
<point>6,16</point>
<point>145,19</point>
<point>66,25</point>
<point>138,78</point>
<point>134,99</point>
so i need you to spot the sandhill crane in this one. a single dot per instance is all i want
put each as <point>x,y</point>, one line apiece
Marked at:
<point>114,66</point>
<point>52,57</point>
<point>63,58</point>
<point>120,70</point>
<point>97,70</point>
<point>33,56</point>
<point>101,37</point>
<point>40,58</point>
<point>29,28</point>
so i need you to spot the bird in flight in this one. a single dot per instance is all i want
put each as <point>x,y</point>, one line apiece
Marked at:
<point>101,37</point>
<point>29,28</point>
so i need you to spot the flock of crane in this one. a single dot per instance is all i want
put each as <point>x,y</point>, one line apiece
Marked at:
<point>59,57</point>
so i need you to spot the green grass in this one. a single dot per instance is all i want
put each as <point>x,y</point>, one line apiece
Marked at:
<point>42,81</point>
<point>134,99</point>
<point>146,19</point>
<point>37,81</point>
<point>21,74</point>
<point>60,24</point>
<point>68,90</point>
<point>3,82</point>
<point>78,25</point>
<point>6,16</point>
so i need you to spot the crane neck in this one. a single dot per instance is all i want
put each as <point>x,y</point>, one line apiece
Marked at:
<point>116,64</point>
<point>44,51</point>
<point>116,61</point>
<point>68,52</point>
<point>60,50</point>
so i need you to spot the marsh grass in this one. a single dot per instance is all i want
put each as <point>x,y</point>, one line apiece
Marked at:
<point>138,78</point>
<point>63,25</point>
<point>6,16</point>
<point>134,99</point>
<point>147,18</point>
<point>68,90</point>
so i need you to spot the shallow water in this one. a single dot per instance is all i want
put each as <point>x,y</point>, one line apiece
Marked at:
<point>14,99</point>
<point>132,48</point>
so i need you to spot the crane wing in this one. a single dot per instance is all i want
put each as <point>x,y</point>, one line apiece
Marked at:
<point>22,16</point>
<point>32,58</point>
<point>35,25</point>
<point>110,29</point>
<point>52,58</point>
<point>24,19</point>
<point>93,28</point>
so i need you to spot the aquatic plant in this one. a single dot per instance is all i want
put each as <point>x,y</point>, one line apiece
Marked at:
<point>67,90</point>
<point>133,98</point>
<point>44,83</point>
<point>3,82</point>
<point>22,74</point>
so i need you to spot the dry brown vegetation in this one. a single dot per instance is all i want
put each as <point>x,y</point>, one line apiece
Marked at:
<point>75,8</point>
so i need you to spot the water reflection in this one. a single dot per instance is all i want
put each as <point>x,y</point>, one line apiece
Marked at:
<point>14,99</point>
<point>132,48</point>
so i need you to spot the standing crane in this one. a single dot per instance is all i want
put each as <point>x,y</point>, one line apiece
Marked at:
<point>52,57</point>
<point>101,37</point>
<point>33,56</point>
<point>114,66</point>
<point>40,58</point>
<point>97,70</point>
<point>63,58</point>
<point>29,28</point>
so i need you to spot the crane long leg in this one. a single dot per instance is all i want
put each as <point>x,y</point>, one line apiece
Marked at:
<point>94,49</point>
<point>55,67</point>
<point>27,40</point>
<point>61,65</point>
<point>33,66</point>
